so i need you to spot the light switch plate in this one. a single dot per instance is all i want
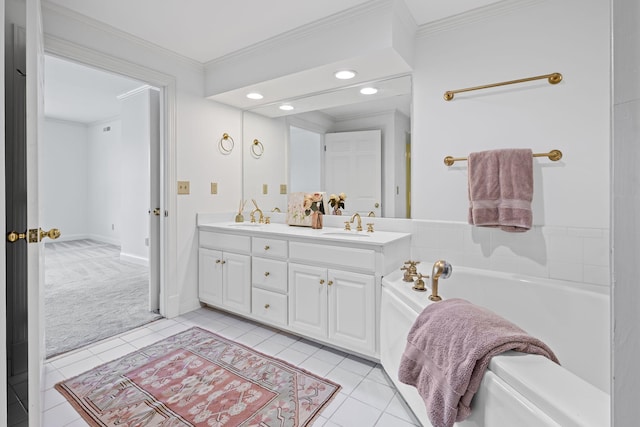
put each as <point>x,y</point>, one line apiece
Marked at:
<point>214,188</point>
<point>183,187</point>
<point>265,189</point>
<point>283,188</point>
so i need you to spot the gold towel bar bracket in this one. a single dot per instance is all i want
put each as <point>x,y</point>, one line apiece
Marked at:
<point>553,78</point>
<point>553,155</point>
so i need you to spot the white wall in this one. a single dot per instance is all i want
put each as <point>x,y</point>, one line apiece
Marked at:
<point>626,205</point>
<point>135,118</point>
<point>305,164</point>
<point>270,168</point>
<point>103,180</point>
<point>570,37</point>
<point>64,187</point>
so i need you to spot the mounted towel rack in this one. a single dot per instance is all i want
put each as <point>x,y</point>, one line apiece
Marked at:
<point>553,155</point>
<point>553,78</point>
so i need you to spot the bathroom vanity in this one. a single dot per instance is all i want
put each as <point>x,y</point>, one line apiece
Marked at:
<point>321,284</point>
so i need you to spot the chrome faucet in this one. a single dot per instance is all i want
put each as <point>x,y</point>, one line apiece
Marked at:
<point>354,216</point>
<point>441,269</point>
<point>257,209</point>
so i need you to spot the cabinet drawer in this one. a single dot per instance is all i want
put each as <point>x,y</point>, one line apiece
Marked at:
<point>269,306</point>
<point>273,248</point>
<point>327,255</point>
<point>269,274</point>
<point>225,242</point>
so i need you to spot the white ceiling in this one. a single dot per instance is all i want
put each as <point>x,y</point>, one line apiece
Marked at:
<point>81,94</point>
<point>201,30</point>
<point>204,30</point>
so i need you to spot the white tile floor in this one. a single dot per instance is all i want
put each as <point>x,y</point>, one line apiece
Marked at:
<point>367,397</point>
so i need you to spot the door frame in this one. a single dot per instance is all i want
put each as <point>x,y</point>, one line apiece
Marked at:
<point>169,297</point>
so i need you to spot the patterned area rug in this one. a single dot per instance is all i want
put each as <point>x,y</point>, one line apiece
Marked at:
<point>197,378</point>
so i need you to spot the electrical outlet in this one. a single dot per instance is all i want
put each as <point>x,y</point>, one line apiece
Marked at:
<point>265,189</point>
<point>214,188</point>
<point>183,187</point>
<point>283,188</point>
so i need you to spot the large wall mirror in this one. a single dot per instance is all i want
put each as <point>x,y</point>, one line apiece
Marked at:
<point>334,141</point>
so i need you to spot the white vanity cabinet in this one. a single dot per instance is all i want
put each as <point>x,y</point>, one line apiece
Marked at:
<point>224,276</point>
<point>269,280</point>
<point>321,284</point>
<point>333,304</point>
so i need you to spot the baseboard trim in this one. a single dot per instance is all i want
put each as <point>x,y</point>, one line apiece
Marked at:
<point>134,259</point>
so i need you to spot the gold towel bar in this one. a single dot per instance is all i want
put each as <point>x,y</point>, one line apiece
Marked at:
<point>553,155</point>
<point>554,78</point>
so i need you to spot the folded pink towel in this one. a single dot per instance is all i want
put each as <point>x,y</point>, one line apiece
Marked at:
<point>501,189</point>
<point>448,350</point>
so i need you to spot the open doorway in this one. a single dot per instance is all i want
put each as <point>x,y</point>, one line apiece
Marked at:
<point>98,154</point>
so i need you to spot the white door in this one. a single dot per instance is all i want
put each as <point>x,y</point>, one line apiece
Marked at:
<point>155,201</point>
<point>353,166</point>
<point>35,281</point>
<point>210,276</point>
<point>352,320</point>
<point>236,282</point>
<point>308,300</point>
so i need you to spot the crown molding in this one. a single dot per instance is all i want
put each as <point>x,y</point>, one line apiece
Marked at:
<point>325,24</point>
<point>474,15</point>
<point>101,26</point>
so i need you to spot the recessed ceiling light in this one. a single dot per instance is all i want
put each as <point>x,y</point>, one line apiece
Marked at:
<point>368,90</point>
<point>345,74</point>
<point>286,107</point>
<point>254,95</point>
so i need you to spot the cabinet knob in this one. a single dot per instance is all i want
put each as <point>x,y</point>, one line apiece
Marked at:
<point>267,306</point>
<point>266,273</point>
<point>218,261</point>
<point>266,248</point>
<point>330,282</point>
<point>322,281</point>
<point>224,262</point>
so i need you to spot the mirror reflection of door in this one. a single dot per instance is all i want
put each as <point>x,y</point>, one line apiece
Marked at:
<point>305,160</point>
<point>353,167</point>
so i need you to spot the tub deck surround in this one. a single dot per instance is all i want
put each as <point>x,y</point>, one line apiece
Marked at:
<point>321,284</point>
<point>518,389</point>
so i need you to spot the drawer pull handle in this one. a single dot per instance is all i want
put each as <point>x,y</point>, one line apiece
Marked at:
<point>266,248</point>
<point>267,306</point>
<point>322,281</point>
<point>266,273</point>
<point>330,282</point>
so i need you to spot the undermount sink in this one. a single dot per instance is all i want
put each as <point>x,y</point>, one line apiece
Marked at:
<point>345,233</point>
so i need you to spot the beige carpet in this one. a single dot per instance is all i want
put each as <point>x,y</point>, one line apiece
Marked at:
<point>90,294</point>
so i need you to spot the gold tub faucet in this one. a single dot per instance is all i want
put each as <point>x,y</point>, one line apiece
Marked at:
<point>441,269</point>
<point>354,216</point>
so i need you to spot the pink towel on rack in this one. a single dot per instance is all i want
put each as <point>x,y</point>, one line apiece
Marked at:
<point>501,189</point>
<point>448,350</point>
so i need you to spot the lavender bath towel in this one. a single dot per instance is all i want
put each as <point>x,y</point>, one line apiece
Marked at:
<point>448,350</point>
<point>501,189</point>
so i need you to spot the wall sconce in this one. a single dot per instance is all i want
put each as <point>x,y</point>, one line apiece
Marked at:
<point>226,143</point>
<point>257,149</point>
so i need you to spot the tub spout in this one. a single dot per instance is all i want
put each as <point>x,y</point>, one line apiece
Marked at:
<point>441,269</point>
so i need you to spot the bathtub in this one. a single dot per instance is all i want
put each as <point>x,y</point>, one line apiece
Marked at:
<point>517,389</point>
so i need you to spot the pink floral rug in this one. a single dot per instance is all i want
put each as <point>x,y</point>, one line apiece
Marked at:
<point>197,378</point>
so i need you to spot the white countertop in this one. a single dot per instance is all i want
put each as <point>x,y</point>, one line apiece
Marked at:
<point>327,234</point>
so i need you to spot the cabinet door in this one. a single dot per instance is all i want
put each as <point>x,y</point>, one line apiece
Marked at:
<point>236,282</point>
<point>308,300</point>
<point>210,276</point>
<point>352,320</point>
